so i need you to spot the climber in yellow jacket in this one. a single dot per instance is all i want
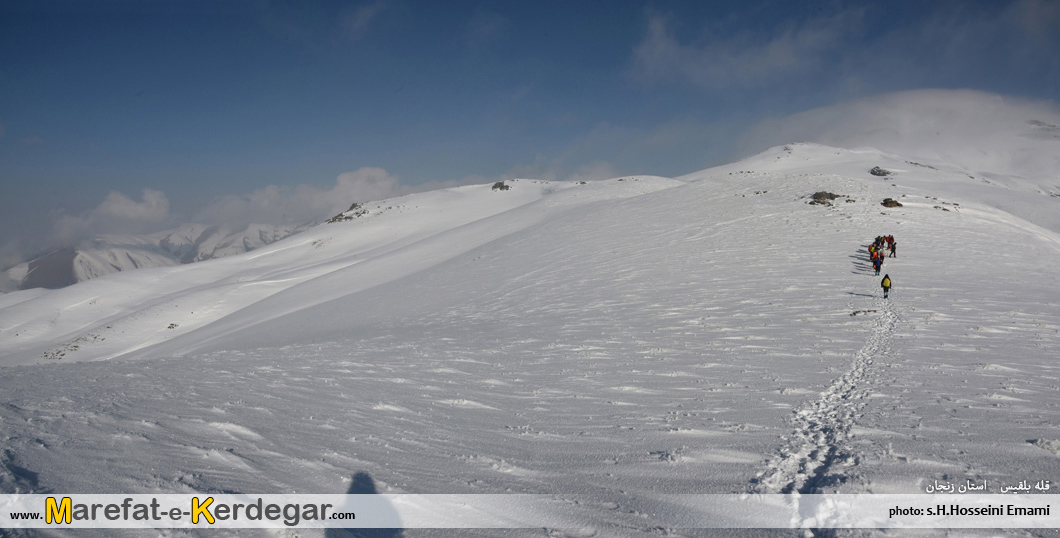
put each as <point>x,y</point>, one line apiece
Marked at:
<point>886,284</point>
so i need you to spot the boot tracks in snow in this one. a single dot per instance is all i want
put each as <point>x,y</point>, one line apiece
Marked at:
<point>815,456</point>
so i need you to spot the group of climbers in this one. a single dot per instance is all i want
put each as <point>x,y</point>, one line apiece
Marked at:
<point>876,255</point>
<point>884,242</point>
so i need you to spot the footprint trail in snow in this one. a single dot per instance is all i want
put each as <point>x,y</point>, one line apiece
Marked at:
<point>817,458</point>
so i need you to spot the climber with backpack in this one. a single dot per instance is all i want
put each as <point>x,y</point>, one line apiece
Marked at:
<point>886,285</point>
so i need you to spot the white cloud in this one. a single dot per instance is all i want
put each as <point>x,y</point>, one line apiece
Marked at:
<point>991,45</point>
<point>367,183</point>
<point>1004,46</point>
<point>117,213</point>
<point>120,214</point>
<point>153,208</point>
<point>274,205</point>
<point>982,132</point>
<point>744,60</point>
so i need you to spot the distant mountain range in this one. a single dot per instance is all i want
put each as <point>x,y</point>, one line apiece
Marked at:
<point>108,254</point>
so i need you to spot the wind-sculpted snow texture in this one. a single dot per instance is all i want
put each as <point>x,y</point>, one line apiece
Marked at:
<point>621,339</point>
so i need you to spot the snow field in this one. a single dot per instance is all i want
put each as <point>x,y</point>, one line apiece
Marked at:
<point>682,338</point>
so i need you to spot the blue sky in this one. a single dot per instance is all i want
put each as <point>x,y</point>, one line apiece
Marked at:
<point>206,103</point>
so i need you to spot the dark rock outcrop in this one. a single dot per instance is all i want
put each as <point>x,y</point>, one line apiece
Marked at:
<point>823,198</point>
<point>355,210</point>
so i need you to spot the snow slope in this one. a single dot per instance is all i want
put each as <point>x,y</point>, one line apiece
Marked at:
<point>625,339</point>
<point>120,314</point>
<point>1008,148</point>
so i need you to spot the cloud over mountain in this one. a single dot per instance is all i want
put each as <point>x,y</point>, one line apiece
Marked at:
<point>117,213</point>
<point>277,204</point>
<point>981,132</point>
<point>747,59</point>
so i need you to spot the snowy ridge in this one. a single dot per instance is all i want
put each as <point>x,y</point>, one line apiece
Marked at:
<point>103,259</point>
<point>106,254</point>
<point>1034,199</point>
<point>393,239</point>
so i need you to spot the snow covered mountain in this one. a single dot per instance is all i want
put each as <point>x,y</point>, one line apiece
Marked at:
<point>712,333</point>
<point>1008,147</point>
<point>108,254</point>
